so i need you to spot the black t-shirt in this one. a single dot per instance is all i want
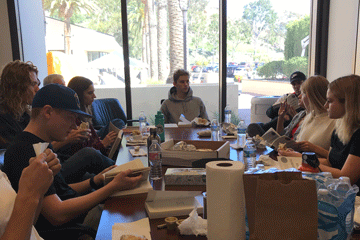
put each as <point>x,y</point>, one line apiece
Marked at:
<point>9,128</point>
<point>17,158</point>
<point>339,152</point>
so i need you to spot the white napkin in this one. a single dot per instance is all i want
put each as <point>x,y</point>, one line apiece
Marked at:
<point>140,228</point>
<point>39,148</point>
<point>183,119</point>
<point>141,152</point>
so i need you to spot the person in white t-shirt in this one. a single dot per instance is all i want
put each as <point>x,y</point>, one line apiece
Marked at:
<point>19,212</point>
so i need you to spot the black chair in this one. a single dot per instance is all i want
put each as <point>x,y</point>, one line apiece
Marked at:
<point>107,109</point>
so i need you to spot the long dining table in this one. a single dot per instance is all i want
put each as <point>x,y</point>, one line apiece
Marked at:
<point>131,208</point>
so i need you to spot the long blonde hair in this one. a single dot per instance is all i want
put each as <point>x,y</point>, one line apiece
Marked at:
<point>347,90</point>
<point>315,88</point>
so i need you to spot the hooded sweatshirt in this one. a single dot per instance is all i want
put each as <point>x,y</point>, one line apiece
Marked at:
<point>191,107</point>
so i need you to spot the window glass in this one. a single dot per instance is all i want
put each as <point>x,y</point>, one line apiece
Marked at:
<point>267,40</point>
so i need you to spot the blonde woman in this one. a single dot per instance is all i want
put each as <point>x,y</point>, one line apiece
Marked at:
<point>343,104</point>
<point>317,127</point>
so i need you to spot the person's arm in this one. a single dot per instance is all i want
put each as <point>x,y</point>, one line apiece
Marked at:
<point>350,169</point>
<point>34,182</point>
<point>306,146</point>
<point>58,212</point>
<point>109,139</point>
<point>280,121</point>
<point>165,112</point>
<point>84,186</point>
<point>203,113</point>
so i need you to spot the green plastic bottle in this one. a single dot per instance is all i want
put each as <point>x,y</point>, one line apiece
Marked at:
<point>159,123</point>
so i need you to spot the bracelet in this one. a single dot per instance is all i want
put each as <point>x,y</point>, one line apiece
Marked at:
<point>94,185</point>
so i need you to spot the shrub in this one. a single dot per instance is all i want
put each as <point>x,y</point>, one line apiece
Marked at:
<point>295,64</point>
<point>271,69</point>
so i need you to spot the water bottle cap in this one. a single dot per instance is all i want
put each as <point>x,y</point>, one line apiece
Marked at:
<point>344,179</point>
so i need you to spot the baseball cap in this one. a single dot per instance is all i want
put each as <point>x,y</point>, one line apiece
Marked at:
<point>59,97</point>
<point>297,76</point>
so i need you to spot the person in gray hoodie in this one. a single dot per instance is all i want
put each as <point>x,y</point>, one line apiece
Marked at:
<point>182,101</point>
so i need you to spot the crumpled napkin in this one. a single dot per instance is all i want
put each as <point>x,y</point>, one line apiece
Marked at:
<point>40,147</point>
<point>193,225</point>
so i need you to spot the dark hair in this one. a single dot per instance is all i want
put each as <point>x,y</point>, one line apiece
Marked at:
<point>79,85</point>
<point>14,83</point>
<point>179,73</point>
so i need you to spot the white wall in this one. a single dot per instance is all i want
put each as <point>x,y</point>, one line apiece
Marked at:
<point>148,98</point>
<point>5,46</point>
<point>343,22</point>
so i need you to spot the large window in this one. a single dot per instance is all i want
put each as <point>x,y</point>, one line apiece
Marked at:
<point>266,41</point>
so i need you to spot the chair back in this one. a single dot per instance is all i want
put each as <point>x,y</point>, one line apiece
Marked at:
<point>105,110</point>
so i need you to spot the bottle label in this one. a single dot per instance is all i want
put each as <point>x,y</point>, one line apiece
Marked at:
<point>249,153</point>
<point>153,156</point>
<point>160,128</point>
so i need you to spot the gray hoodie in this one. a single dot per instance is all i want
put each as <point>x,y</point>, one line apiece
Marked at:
<point>191,107</point>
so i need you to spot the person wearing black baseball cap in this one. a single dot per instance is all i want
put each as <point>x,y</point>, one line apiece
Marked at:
<point>296,79</point>
<point>55,109</point>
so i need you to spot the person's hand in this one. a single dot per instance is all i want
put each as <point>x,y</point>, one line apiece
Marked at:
<point>109,139</point>
<point>36,179</point>
<point>289,153</point>
<point>123,182</point>
<point>306,146</point>
<point>52,161</point>
<point>99,178</point>
<point>291,111</point>
<point>78,135</point>
<point>282,109</point>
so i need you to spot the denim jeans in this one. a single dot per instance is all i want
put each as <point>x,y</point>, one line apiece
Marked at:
<point>85,161</point>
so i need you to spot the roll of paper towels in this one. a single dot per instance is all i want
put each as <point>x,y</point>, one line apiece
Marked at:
<point>225,200</point>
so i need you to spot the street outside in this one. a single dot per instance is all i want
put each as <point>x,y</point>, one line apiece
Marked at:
<point>248,88</point>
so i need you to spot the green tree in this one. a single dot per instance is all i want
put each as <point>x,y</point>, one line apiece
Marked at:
<point>271,70</point>
<point>261,18</point>
<point>296,31</point>
<point>295,64</point>
<point>238,31</point>
<point>65,9</point>
<point>162,43</point>
<point>175,37</point>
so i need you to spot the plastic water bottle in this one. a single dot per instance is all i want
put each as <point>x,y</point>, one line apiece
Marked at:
<point>142,123</point>
<point>241,127</point>
<point>323,195</point>
<point>250,152</point>
<point>227,114</point>
<point>343,186</point>
<point>215,130</point>
<point>155,160</point>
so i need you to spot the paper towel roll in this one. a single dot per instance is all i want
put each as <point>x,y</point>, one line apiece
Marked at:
<point>225,200</point>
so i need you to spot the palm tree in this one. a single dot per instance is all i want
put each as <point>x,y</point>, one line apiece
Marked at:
<point>152,38</point>
<point>65,9</point>
<point>162,38</point>
<point>176,38</point>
